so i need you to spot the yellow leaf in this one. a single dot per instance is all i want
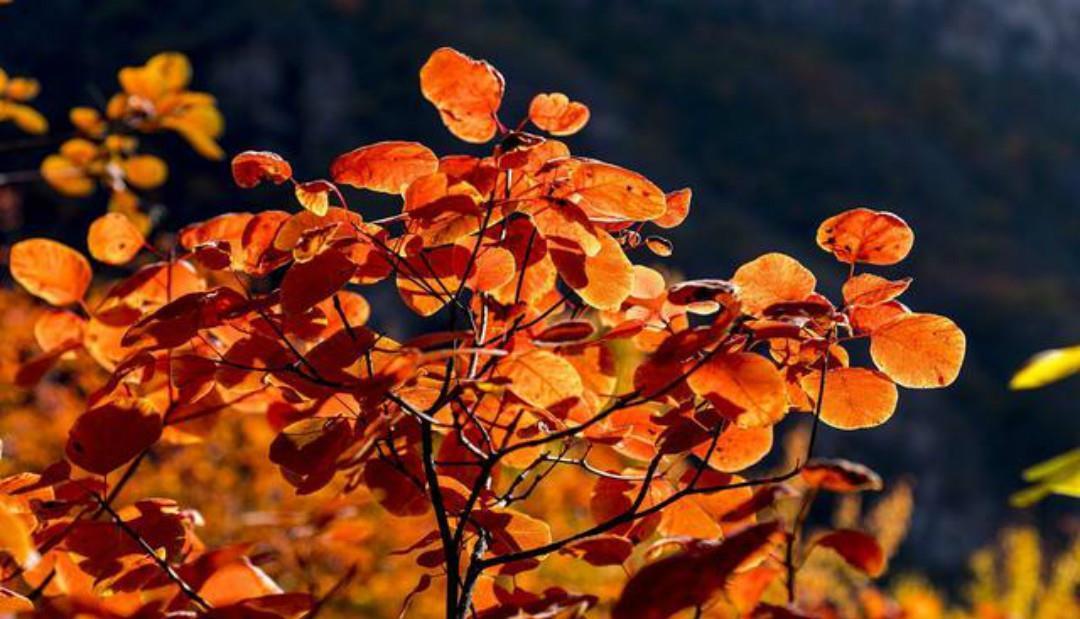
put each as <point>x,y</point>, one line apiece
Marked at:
<point>1058,475</point>
<point>1047,367</point>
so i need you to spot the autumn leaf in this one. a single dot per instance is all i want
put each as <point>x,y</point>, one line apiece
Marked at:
<point>51,271</point>
<point>864,235</point>
<point>919,351</point>
<point>860,550</point>
<point>314,196</point>
<point>104,438</point>
<point>770,279</point>
<point>250,168</point>
<point>870,289</point>
<point>744,387</point>
<point>466,92</point>
<point>678,207</point>
<point>557,114</point>
<point>540,378</point>
<point>855,398</point>
<point>113,239</point>
<point>1047,367</point>
<point>840,476</point>
<point>387,167</point>
<point>688,579</point>
<point>610,193</point>
<point>307,283</point>
<point>604,280</point>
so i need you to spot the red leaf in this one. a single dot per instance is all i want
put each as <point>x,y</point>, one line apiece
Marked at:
<point>106,437</point>
<point>689,578</point>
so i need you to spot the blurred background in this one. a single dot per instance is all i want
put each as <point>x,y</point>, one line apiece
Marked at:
<point>962,116</point>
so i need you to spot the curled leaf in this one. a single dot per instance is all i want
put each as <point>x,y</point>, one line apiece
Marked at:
<point>860,550</point>
<point>840,476</point>
<point>557,114</point>
<point>251,168</point>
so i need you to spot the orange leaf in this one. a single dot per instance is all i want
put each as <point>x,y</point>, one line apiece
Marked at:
<point>540,378</point>
<point>314,196</point>
<point>113,239</point>
<point>106,437</point>
<point>865,319</point>
<point>744,387</point>
<point>870,289</point>
<point>678,207</point>
<point>56,328</point>
<point>659,245</point>
<point>603,281</point>
<point>860,550</point>
<point>235,582</point>
<point>565,224</point>
<point>251,167</point>
<point>738,448</point>
<point>494,267</point>
<point>557,114</point>
<point>466,92</point>
<point>388,167</point>
<point>919,351</point>
<point>864,235</point>
<point>49,270</point>
<point>855,398</point>
<point>611,193</point>
<point>12,602</point>
<point>771,279</point>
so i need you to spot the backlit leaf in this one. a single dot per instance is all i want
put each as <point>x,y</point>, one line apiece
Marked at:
<point>113,239</point>
<point>557,114</point>
<point>388,167</point>
<point>540,378</point>
<point>49,270</point>
<point>251,167</point>
<point>611,193</point>
<point>307,283</point>
<point>870,289</point>
<point>745,387</point>
<point>771,279</point>
<point>466,92</point>
<point>855,398</point>
<point>864,235</point>
<point>919,351</point>
<point>840,476</point>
